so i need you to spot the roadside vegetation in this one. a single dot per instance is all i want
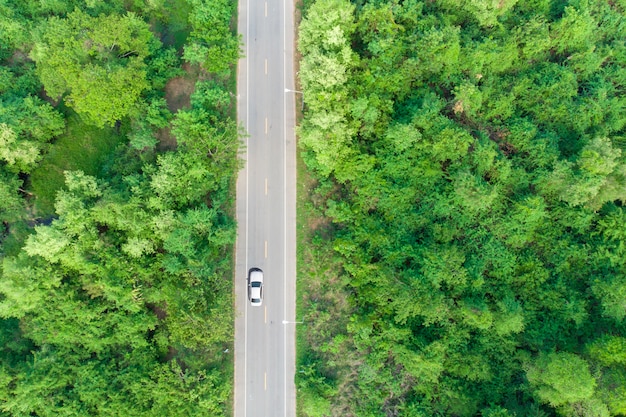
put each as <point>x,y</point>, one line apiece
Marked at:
<point>118,152</point>
<point>465,247</point>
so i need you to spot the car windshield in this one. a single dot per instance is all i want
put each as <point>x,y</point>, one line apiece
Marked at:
<point>255,284</point>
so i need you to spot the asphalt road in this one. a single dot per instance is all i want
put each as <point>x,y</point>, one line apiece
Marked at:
<point>265,335</point>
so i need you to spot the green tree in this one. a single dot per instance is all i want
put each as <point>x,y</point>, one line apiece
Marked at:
<point>13,27</point>
<point>575,31</point>
<point>25,126</point>
<point>325,68</point>
<point>467,176</point>
<point>21,155</point>
<point>211,42</point>
<point>11,203</point>
<point>612,389</point>
<point>597,176</point>
<point>561,378</point>
<point>120,299</point>
<point>98,61</point>
<point>486,12</point>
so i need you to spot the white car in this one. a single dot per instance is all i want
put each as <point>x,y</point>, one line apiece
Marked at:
<point>255,286</point>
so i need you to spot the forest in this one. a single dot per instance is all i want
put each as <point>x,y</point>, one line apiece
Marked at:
<point>118,153</point>
<point>465,170</point>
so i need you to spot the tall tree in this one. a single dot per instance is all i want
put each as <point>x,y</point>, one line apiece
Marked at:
<point>98,61</point>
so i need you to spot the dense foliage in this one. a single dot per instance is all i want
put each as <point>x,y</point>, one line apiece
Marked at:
<point>116,300</point>
<point>470,179</point>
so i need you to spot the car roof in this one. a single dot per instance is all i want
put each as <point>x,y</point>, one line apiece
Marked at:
<point>256,275</point>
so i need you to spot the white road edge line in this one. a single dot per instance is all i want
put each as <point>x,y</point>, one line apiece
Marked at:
<point>285,206</point>
<point>245,315</point>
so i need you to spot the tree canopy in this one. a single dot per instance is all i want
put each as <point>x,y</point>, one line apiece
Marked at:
<point>467,191</point>
<point>116,211</point>
<point>98,61</point>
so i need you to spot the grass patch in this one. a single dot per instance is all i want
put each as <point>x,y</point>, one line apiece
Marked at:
<point>82,147</point>
<point>302,240</point>
<point>304,218</point>
<point>322,303</point>
<point>317,290</point>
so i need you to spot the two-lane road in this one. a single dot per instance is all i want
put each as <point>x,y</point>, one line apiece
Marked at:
<point>264,336</point>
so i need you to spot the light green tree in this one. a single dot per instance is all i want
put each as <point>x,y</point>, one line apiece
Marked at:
<point>561,379</point>
<point>97,61</point>
<point>611,291</point>
<point>26,124</point>
<point>575,31</point>
<point>328,60</point>
<point>22,155</point>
